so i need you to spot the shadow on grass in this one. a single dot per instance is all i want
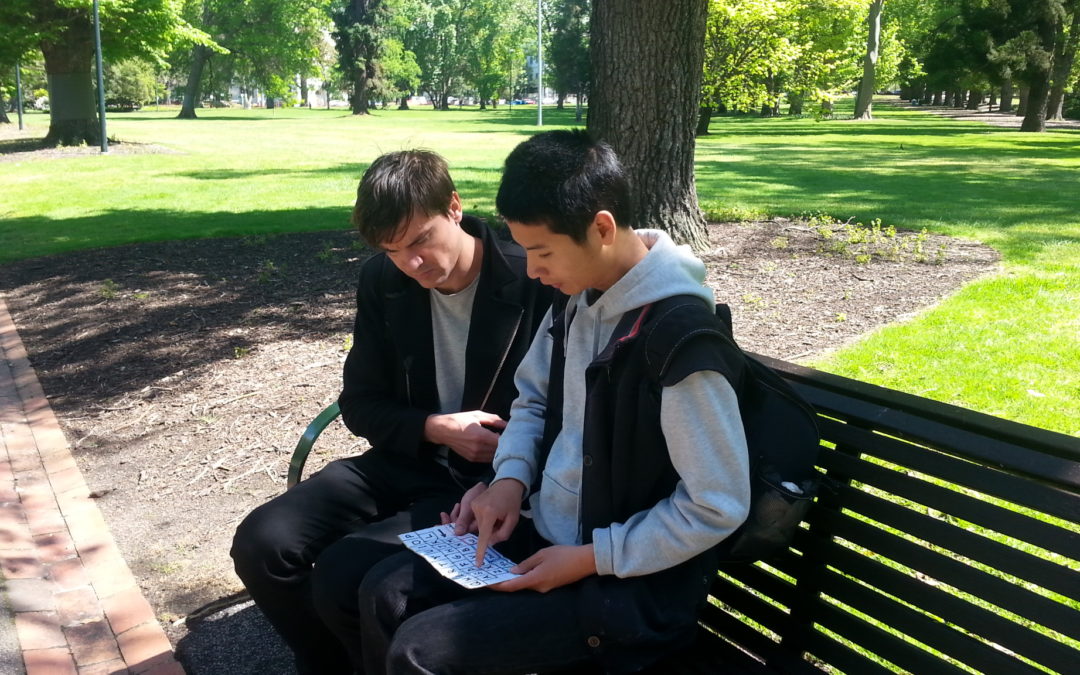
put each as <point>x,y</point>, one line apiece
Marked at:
<point>106,323</point>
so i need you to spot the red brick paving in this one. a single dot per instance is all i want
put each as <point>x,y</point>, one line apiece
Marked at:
<point>77,607</point>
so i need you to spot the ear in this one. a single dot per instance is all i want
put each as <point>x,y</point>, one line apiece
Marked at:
<point>454,209</point>
<point>605,227</point>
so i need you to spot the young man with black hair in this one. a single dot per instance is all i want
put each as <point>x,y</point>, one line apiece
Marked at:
<point>631,480</point>
<point>444,314</point>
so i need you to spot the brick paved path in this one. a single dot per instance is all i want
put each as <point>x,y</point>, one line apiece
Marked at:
<point>76,606</point>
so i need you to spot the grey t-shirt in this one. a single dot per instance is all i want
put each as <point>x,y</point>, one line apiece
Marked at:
<point>450,318</point>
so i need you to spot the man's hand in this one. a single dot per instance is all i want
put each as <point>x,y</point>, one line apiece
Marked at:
<point>469,434</point>
<point>550,568</point>
<point>461,516</point>
<point>496,512</point>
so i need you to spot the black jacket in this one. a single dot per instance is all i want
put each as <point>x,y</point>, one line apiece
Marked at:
<point>389,380</point>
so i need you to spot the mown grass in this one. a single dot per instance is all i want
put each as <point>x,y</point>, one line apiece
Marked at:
<point>1005,345</point>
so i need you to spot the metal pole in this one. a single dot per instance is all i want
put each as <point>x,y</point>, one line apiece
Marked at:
<point>100,79</point>
<point>539,68</point>
<point>18,94</point>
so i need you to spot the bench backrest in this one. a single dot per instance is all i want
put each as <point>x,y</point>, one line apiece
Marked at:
<point>946,537</point>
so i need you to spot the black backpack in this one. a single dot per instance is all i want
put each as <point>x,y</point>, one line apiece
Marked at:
<point>781,433</point>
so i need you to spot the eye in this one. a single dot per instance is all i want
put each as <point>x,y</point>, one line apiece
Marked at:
<point>544,255</point>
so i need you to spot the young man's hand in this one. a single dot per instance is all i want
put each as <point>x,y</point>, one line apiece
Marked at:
<point>461,516</point>
<point>471,434</point>
<point>550,568</point>
<point>496,512</point>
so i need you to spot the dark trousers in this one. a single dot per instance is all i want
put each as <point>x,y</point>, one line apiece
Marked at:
<point>371,498</point>
<point>413,621</point>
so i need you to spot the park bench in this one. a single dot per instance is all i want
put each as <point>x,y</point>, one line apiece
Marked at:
<point>943,541</point>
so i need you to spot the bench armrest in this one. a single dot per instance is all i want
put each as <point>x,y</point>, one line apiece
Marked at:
<point>307,440</point>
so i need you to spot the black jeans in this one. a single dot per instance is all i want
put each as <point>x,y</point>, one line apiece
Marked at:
<point>414,621</point>
<point>372,497</point>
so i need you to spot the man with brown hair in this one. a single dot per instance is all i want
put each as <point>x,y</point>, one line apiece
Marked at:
<point>444,314</point>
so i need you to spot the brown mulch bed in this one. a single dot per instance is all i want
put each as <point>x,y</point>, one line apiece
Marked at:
<point>184,372</point>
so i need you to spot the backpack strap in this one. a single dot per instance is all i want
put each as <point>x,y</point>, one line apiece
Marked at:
<point>682,337</point>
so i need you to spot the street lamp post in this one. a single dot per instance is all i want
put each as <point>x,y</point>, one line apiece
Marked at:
<point>539,67</point>
<point>100,78</point>
<point>18,94</point>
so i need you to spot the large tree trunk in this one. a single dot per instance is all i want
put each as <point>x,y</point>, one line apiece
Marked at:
<point>403,103</point>
<point>643,100</point>
<point>3,109</point>
<point>72,117</point>
<point>1006,96</point>
<point>304,92</point>
<point>1021,107</point>
<point>974,99</point>
<point>938,99</point>
<point>193,91</point>
<point>360,92</point>
<point>1038,76</point>
<point>865,100</point>
<point>1063,63</point>
<point>703,119</point>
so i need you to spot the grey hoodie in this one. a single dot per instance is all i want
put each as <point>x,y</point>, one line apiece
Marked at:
<point>699,417</point>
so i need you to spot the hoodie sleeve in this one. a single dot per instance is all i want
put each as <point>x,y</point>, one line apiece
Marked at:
<point>518,454</point>
<point>704,433</point>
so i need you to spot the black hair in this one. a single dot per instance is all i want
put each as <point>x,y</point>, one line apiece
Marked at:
<point>396,186</point>
<point>562,179</point>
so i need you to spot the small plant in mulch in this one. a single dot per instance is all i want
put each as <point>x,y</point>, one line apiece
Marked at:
<point>865,243</point>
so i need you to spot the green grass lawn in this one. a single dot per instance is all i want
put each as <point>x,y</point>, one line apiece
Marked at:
<point>1006,345</point>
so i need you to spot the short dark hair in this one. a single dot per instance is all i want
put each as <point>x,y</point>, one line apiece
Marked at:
<point>396,186</point>
<point>562,179</point>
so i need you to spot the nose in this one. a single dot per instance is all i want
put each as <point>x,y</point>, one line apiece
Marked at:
<point>532,268</point>
<point>414,263</point>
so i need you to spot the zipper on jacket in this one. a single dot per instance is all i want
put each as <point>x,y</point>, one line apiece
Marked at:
<point>408,380</point>
<point>502,360</point>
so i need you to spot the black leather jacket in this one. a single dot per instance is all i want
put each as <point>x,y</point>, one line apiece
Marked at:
<point>389,379</point>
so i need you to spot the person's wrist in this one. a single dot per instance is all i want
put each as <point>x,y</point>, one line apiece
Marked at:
<point>433,429</point>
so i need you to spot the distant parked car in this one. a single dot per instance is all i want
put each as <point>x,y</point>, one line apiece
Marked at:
<point>121,105</point>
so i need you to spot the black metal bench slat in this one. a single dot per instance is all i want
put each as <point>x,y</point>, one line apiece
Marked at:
<point>945,605</point>
<point>945,569</point>
<point>1044,498</point>
<point>778,657</point>
<point>749,605</point>
<point>990,450</point>
<point>977,434</point>
<point>749,639</point>
<point>911,624</point>
<point>1014,561</point>
<point>762,581</point>
<point>1004,521</point>
<point>709,655</point>
<point>909,657</point>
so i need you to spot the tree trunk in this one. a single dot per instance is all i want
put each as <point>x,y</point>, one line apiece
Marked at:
<point>974,99</point>
<point>1038,76</point>
<point>1064,56</point>
<point>1006,96</point>
<point>72,117</point>
<point>864,101</point>
<point>360,93</point>
<point>1021,109</point>
<point>993,100</point>
<point>3,108</point>
<point>578,105</point>
<point>193,91</point>
<point>304,92</point>
<point>704,117</point>
<point>959,99</point>
<point>795,104</point>
<point>937,99</point>
<point>560,98</point>
<point>271,102</point>
<point>950,98</point>
<point>403,104</point>
<point>644,101</point>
